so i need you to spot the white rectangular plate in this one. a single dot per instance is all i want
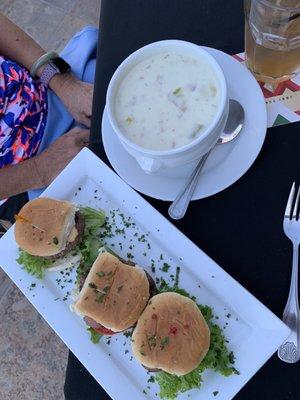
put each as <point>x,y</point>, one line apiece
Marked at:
<point>253,332</point>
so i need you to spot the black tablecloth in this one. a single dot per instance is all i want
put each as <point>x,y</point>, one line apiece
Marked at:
<point>241,227</point>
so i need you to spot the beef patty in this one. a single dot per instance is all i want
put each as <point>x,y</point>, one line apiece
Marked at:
<point>80,225</point>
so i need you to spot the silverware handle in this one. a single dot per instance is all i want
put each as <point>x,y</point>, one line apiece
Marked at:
<point>179,206</point>
<point>292,302</point>
<point>289,351</point>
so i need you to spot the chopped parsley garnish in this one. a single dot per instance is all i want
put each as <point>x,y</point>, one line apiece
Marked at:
<point>129,120</point>
<point>166,267</point>
<point>128,333</point>
<point>100,298</point>
<point>163,287</point>
<point>142,353</point>
<point>106,289</point>
<point>177,92</point>
<point>92,285</point>
<point>152,341</point>
<point>55,240</point>
<point>164,342</point>
<point>100,274</point>
<point>142,238</point>
<point>177,277</point>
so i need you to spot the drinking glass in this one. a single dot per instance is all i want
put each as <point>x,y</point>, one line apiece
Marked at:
<point>272,39</point>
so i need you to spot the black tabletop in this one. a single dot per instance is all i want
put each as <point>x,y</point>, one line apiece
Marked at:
<point>241,227</point>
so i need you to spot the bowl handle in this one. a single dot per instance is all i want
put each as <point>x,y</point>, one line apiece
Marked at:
<point>149,165</point>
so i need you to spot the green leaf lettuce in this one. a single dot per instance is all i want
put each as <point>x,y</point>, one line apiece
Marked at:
<point>32,264</point>
<point>95,336</point>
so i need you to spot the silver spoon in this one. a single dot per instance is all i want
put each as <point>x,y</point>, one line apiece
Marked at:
<point>232,128</point>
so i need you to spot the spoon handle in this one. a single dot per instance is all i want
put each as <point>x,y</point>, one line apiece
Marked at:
<point>179,206</point>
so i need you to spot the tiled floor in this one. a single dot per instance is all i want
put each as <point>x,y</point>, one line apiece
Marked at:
<point>32,357</point>
<point>52,22</point>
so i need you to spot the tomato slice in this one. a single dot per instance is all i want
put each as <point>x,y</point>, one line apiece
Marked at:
<point>104,331</point>
<point>98,327</point>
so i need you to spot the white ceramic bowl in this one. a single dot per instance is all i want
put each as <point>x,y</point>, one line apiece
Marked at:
<point>178,161</point>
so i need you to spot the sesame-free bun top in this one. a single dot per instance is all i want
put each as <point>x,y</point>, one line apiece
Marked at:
<point>171,334</point>
<point>43,226</point>
<point>114,294</point>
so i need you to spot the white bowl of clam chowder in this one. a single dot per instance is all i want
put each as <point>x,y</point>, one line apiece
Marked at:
<point>168,104</point>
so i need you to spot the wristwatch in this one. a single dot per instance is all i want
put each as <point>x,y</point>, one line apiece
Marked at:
<point>53,67</point>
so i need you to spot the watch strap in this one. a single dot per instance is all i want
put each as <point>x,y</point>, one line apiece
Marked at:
<point>41,61</point>
<point>48,73</point>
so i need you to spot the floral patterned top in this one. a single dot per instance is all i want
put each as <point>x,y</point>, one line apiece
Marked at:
<point>23,113</point>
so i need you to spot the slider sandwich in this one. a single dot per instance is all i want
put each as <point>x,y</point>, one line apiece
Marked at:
<point>171,335</point>
<point>50,233</point>
<point>49,228</point>
<point>113,295</point>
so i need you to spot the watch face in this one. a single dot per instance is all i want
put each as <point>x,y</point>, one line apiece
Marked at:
<point>61,65</point>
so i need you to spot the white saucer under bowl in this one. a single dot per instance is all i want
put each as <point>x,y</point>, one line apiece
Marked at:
<point>226,164</point>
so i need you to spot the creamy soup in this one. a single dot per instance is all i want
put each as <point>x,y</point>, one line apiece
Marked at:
<point>167,101</point>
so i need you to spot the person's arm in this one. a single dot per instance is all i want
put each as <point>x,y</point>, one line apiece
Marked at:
<point>19,178</point>
<point>16,45</point>
<point>40,171</point>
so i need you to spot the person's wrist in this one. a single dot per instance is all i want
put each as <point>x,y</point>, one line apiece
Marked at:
<point>60,83</point>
